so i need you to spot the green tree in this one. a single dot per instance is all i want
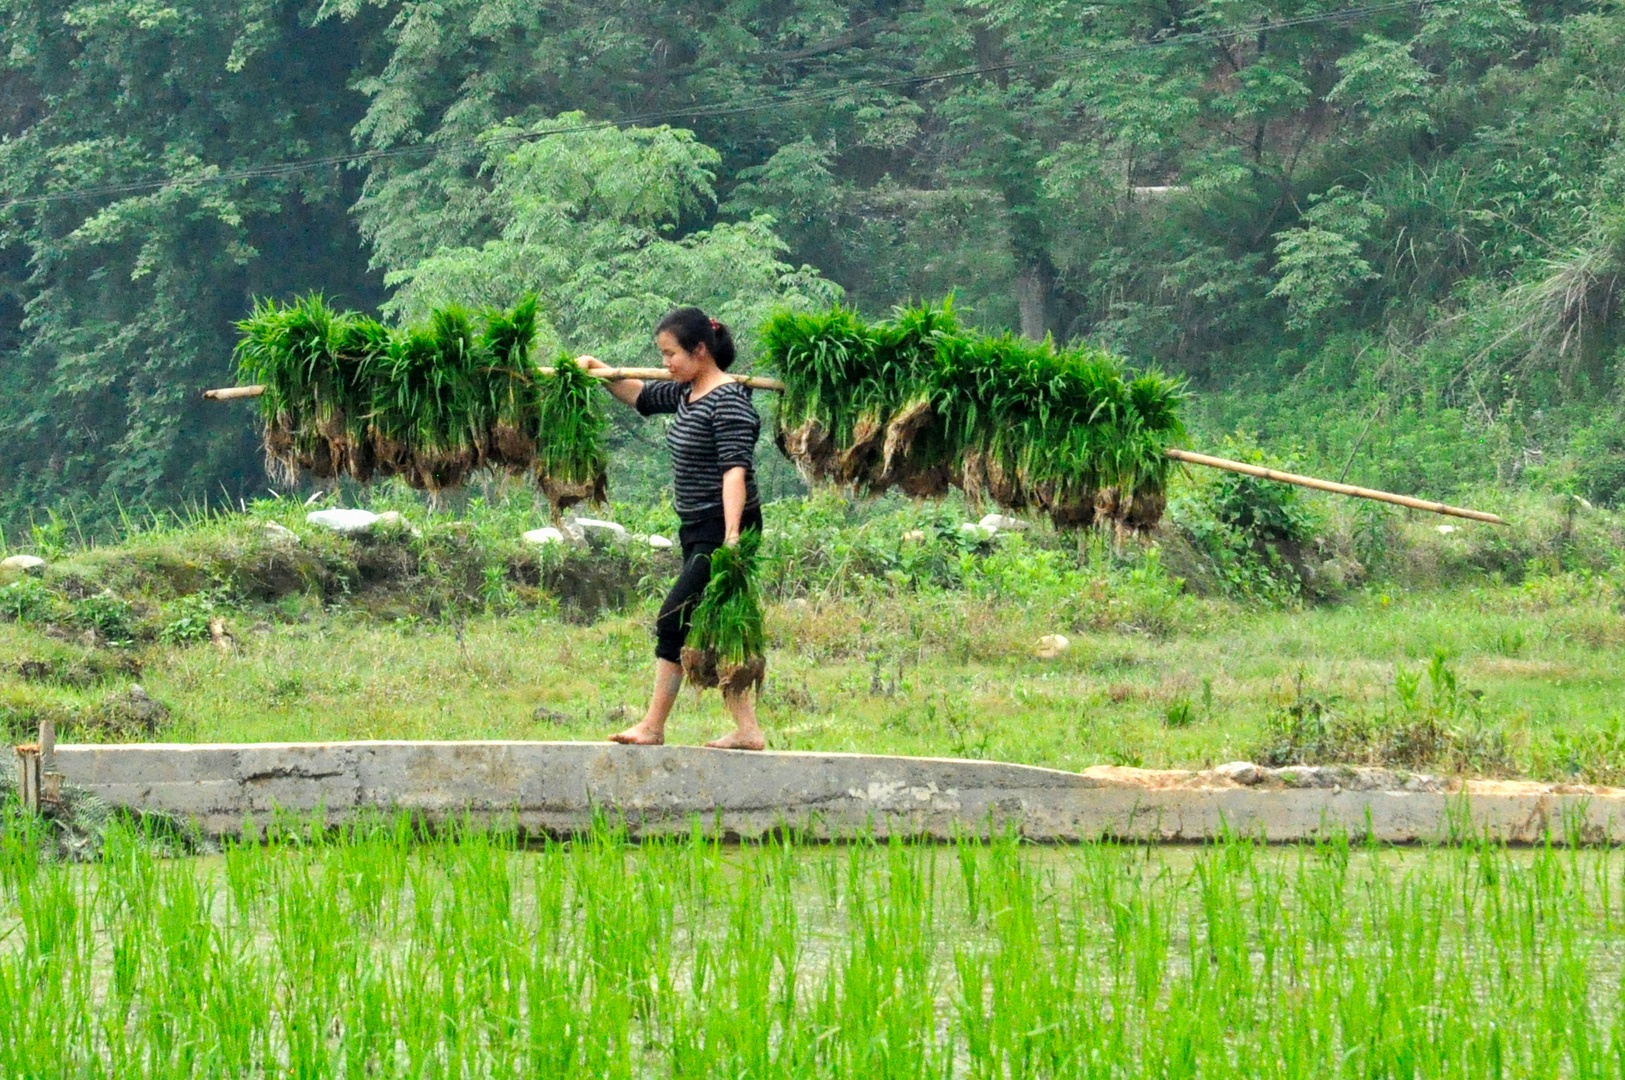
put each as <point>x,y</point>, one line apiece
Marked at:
<point>589,218</point>
<point>124,299</point>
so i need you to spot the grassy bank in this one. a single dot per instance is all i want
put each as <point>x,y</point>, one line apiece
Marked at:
<point>1368,638</point>
<point>370,954</point>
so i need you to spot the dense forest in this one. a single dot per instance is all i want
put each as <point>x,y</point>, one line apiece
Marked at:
<point>1385,239</point>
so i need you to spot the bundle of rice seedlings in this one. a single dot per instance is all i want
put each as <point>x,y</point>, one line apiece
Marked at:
<point>286,348</point>
<point>919,403</point>
<point>727,642</point>
<point>347,396</point>
<point>358,347</point>
<point>511,391</point>
<point>571,460</point>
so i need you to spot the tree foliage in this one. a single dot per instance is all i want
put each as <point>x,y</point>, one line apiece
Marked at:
<point>1418,200</point>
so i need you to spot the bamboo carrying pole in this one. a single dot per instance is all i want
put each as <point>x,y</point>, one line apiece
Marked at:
<point>757,382</point>
<point>1331,485</point>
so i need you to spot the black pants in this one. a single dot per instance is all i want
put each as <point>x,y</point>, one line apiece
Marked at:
<point>699,540</point>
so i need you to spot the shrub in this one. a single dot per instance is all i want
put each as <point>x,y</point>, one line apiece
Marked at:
<point>1252,535</point>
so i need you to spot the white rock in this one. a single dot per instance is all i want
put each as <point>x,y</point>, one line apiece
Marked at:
<point>1241,772</point>
<point>279,532</point>
<point>343,521</point>
<point>392,519</point>
<point>546,535</point>
<point>1051,646</point>
<point>1002,521</point>
<point>586,524</point>
<point>977,530</point>
<point>1446,530</point>
<point>914,536</point>
<point>659,543</point>
<point>22,564</point>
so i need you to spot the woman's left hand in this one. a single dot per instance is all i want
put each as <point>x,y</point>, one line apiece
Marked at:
<point>731,541</point>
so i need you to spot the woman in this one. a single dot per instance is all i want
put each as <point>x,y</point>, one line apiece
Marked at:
<point>713,446</point>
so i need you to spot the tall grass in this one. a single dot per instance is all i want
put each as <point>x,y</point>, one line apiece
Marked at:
<point>919,403</point>
<point>380,952</point>
<point>347,396</point>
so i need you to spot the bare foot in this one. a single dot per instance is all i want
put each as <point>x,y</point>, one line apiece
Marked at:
<point>739,740</point>
<point>642,733</point>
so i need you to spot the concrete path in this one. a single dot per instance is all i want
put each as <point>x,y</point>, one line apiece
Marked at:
<point>556,787</point>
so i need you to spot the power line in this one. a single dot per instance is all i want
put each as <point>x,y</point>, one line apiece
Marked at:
<point>361,157</point>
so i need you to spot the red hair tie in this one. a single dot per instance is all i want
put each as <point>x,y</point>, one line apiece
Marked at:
<point>715,325</point>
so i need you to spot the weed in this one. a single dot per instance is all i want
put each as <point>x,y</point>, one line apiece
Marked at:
<point>1180,713</point>
<point>26,600</point>
<point>189,621</point>
<point>1432,723</point>
<point>111,617</point>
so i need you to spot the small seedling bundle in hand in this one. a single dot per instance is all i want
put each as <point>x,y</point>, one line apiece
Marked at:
<point>919,403</point>
<point>347,396</point>
<point>727,643</point>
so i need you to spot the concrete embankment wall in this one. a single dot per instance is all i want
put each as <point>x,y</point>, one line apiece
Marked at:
<point>557,787</point>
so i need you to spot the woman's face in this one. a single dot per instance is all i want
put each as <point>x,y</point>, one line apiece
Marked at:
<point>685,366</point>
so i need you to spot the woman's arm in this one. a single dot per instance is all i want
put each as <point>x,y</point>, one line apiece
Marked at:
<point>625,389</point>
<point>733,503</point>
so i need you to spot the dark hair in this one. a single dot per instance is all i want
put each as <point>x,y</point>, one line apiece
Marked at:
<point>693,327</point>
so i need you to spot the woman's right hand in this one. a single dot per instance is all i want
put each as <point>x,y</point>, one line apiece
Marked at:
<point>626,390</point>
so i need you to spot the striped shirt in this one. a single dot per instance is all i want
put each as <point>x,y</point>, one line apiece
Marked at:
<point>709,436</point>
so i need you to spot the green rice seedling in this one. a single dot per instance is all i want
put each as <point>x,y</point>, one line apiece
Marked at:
<point>347,396</point>
<point>920,403</point>
<point>571,459</point>
<point>359,349</point>
<point>512,387</point>
<point>380,950</point>
<point>286,347</point>
<point>727,642</point>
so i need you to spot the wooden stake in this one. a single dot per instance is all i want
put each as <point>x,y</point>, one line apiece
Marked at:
<point>28,777</point>
<point>1332,486</point>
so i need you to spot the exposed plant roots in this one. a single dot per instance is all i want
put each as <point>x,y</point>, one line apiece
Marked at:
<point>897,457</point>
<point>812,451</point>
<point>510,448</point>
<point>564,494</point>
<point>700,667</point>
<point>867,437</point>
<point>734,679</point>
<point>929,405</point>
<point>347,396</point>
<point>704,671</point>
